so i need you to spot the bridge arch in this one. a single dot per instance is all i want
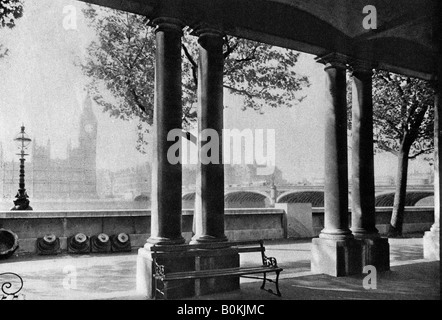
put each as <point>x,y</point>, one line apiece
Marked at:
<point>234,199</point>
<point>412,197</point>
<point>246,199</point>
<point>315,197</point>
<point>142,197</point>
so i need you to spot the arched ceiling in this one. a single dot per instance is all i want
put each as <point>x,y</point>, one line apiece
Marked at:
<point>404,40</point>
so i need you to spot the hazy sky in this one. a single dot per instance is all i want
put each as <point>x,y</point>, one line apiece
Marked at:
<point>42,86</point>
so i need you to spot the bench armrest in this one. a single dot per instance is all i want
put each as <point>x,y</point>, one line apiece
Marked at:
<point>269,261</point>
<point>159,270</point>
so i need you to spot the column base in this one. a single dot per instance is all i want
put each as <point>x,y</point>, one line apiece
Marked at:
<point>336,257</point>
<point>207,239</point>
<point>164,241</point>
<point>217,259</point>
<point>205,260</point>
<point>146,269</point>
<point>376,252</point>
<point>432,245</point>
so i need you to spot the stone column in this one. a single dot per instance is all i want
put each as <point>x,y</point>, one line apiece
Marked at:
<point>363,192</point>
<point>209,200</point>
<point>375,250</point>
<point>336,167</point>
<point>432,237</point>
<point>335,252</point>
<point>166,177</point>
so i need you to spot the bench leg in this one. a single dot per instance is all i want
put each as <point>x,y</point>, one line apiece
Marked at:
<point>264,282</point>
<point>276,281</point>
<point>165,291</point>
<point>278,293</point>
<point>160,293</point>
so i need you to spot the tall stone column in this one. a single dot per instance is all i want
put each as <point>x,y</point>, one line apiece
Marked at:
<point>375,250</point>
<point>432,237</point>
<point>335,252</point>
<point>336,167</point>
<point>209,201</point>
<point>363,191</point>
<point>166,177</point>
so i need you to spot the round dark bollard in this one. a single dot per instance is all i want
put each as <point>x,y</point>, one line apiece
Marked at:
<point>48,245</point>
<point>121,243</point>
<point>100,243</point>
<point>79,244</point>
<point>8,243</point>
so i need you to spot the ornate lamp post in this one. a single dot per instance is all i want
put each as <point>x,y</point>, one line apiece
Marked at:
<point>22,202</point>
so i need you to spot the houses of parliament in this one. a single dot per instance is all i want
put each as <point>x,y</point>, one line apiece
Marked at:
<point>47,178</point>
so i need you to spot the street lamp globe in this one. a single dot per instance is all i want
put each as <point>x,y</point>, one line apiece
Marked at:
<point>22,140</point>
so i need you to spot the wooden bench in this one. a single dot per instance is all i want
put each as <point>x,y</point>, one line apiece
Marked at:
<point>161,276</point>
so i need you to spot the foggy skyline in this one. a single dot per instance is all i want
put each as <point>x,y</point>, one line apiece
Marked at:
<point>43,87</point>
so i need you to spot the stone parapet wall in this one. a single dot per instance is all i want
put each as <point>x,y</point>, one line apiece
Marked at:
<point>416,219</point>
<point>240,224</point>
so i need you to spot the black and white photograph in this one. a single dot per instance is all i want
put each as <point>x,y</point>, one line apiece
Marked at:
<point>227,157</point>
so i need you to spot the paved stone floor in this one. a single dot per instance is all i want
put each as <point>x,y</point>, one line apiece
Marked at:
<point>112,276</point>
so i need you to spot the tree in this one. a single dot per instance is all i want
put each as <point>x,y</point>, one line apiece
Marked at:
<point>403,111</point>
<point>122,59</point>
<point>10,10</point>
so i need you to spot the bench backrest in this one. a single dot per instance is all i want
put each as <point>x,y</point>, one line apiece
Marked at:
<point>193,249</point>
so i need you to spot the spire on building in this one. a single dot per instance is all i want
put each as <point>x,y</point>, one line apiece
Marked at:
<point>88,113</point>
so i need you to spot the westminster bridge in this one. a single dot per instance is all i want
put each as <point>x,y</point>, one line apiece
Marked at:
<point>255,196</point>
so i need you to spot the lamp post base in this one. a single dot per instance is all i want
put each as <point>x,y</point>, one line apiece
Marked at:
<point>21,204</point>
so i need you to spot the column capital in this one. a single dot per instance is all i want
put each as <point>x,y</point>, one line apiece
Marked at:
<point>333,60</point>
<point>358,65</point>
<point>206,30</point>
<point>168,24</point>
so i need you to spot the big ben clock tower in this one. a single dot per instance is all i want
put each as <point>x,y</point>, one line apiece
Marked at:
<point>88,145</point>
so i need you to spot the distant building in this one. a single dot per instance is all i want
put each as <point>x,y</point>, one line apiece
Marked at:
<point>129,184</point>
<point>47,178</point>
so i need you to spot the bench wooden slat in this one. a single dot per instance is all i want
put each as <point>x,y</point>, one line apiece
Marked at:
<point>218,273</point>
<point>250,249</point>
<point>217,245</point>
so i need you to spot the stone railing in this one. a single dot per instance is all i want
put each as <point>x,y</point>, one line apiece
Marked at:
<point>284,221</point>
<point>416,219</point>
<point>240,224</point>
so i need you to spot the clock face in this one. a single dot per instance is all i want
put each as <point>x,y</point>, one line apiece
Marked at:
<point>88,128</point>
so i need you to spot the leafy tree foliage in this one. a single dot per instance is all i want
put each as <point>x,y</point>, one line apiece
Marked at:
<point>10,10</point>
<point>122,60</point>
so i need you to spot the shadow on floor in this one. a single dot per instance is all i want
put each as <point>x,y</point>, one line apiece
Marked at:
<point>419,281</point>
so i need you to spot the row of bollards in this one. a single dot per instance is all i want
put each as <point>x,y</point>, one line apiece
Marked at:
<point>82,244</point>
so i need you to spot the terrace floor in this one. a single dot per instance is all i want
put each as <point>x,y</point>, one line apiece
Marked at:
<point>113,276</point>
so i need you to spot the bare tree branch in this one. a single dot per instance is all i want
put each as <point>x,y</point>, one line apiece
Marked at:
<point>192,62</point>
